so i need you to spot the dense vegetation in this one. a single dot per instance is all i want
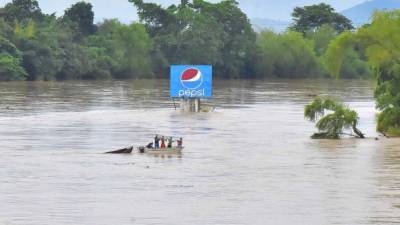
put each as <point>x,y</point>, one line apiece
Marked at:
<point>380,43</point>
<point>37,46</point>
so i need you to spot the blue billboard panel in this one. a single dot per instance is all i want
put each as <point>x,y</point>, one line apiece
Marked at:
<point>191,81</point>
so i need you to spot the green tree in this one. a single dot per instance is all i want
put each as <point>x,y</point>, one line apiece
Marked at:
<point>10,68</point>
<point>10,62</point>
<point>8,48</point>
<point>21,10</point>
<point>200,32</point>
<point>100,64</point>
<point>380,41</point>
<point>287,55</point>
<point>333,118</point>
<point>128,48</point>
<point>82,14</point>
<point>310,18</point>
<point>133,46</point>
<point>238,37</point>
<point>6,30</point>
<point>40,47</point>
<point>321,37</point>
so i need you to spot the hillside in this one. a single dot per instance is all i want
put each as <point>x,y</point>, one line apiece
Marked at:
<point>260,24</point>
<point>360,14</point>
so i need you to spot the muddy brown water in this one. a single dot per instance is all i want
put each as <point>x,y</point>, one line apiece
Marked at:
<point>249,162</point>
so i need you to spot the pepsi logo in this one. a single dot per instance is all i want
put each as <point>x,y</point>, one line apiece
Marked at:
<point>192,78</point>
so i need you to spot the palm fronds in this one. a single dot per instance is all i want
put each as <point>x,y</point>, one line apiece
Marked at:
<point>333,117</point>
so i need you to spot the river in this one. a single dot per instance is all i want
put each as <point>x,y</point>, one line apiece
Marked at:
<point>250,162</point>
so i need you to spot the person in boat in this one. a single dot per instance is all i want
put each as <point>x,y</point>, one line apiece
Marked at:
<point>170,142</point>
<point>180,143</point>
<point>163,142</point>
<point>156,142</point>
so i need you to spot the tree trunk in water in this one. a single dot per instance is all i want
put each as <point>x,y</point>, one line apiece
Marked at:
<point>358,132</point>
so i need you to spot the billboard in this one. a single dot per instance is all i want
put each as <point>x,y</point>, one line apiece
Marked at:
<point>191,81</point>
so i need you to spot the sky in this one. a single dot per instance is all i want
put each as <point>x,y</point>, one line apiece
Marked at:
<point>123,10</point>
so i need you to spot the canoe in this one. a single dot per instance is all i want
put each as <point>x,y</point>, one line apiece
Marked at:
<point>161,151</point>
<point>127,150</point>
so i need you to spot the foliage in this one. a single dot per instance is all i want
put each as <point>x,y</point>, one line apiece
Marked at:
<point>310,18</point>
<point>21,10</point>
<point>381,43</point>
<point>201,33</point>
<point>10,68</point>
<point>333,117</point>
<point>321,37</point>
<point>125,49</point>
<point>10,62</point>
<point>48,47</point>
<point>6,30</point>
<point>287,55</point>
<point>81,13</point>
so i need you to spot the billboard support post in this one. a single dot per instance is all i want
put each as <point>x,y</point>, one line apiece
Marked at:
<point>190,105</point>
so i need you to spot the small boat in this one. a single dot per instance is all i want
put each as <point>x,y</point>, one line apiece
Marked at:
<point>127,150</point>
<point>161,151</point>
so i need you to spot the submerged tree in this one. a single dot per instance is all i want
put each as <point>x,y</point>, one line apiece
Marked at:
<point>333,118</point>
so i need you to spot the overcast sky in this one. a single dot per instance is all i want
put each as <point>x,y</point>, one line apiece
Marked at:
<point>122,9</point>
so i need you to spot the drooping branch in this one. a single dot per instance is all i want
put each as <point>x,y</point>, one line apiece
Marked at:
<point>333,118</point>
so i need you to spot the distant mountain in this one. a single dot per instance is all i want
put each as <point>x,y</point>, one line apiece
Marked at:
<point>260,24</point>
<point>361,14</point>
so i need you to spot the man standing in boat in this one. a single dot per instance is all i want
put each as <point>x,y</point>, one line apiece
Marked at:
<point>156,142</point>
<point>180,142</point>
<point>169,142</point>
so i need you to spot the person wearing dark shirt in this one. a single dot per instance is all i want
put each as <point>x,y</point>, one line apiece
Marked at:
<point>169,142</point>
<point>156,142</point>
<point>180,143</point>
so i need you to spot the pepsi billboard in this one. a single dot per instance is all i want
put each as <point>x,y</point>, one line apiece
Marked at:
<point>191,81</point>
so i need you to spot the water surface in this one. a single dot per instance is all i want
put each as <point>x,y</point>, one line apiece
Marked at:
<point>249,162</point>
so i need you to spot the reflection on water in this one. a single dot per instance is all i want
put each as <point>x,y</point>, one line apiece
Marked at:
<point>250,162</point>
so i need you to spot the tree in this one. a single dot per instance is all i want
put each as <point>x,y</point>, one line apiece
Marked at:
<point>200,32</point>
<point>21,10</point>
<point>287,55</point>
<point>40,47</point>
<point>8,48</point>
<point>10,62</point>
<point>332,125</point>
<point>128,49</point>
<point>381,43</point>
<point>10,68</point>
<point>310,18</point>
<point>5,29</point>
<point>99,65</point>
<point>132,48</point>
<point>321,37</point>
<point>82,14</point>
<point>238,36</point>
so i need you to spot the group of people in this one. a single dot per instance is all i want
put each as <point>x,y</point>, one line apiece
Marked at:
<point>164,142</point>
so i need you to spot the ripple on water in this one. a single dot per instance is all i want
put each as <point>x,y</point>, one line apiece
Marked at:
<point>250,162</point>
